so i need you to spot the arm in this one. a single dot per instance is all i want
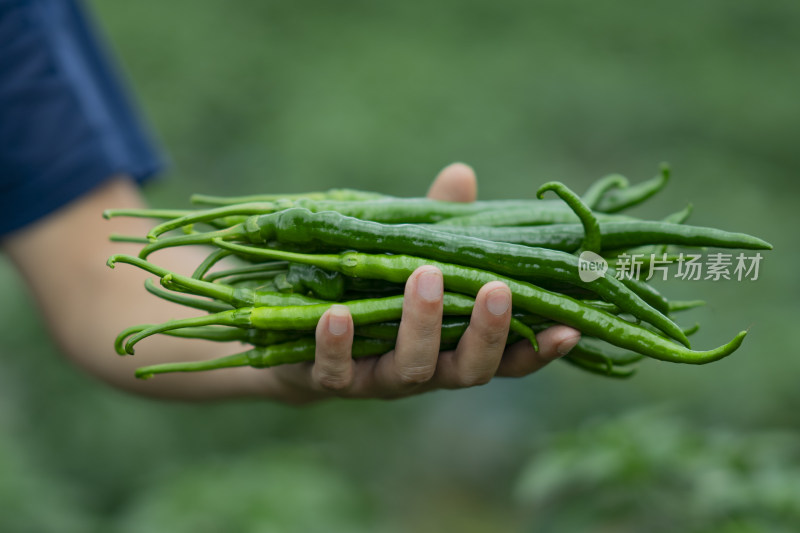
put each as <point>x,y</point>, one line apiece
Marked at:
<point>86,304</point>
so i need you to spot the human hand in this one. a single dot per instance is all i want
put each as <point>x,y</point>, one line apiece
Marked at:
<point>416,365</point>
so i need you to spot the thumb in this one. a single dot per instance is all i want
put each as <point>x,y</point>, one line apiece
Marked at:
<point>455,183</point>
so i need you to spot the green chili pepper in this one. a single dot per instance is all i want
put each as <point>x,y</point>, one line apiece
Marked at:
<point>648,293</point>
<point>389,210</point>
<point>614,235</point>
<point>599,188</point>
<point>602,351</point>
<point>683,305</point>
<point>556,307</point>
<point>211,306</point>
<point>305,317</point>
<point>596,352</point>
<point>301,350</point>
<point>527,215</point>
<point>618,199</point>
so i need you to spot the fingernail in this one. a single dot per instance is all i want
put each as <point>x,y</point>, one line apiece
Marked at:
<point>338,319</point>
<point>430,285</point>
<point>565,346</point>
<point>498,301</point>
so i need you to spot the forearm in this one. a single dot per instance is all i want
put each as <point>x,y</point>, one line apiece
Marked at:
<point>86,304</point>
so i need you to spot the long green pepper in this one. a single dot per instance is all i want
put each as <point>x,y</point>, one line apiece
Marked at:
<point>466,280</point>
<point>298,351</point>
<point>614,235</point>
<point>306,317</point>
<point>389,210</point>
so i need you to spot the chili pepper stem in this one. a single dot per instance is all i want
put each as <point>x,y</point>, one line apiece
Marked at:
<point>192,238</point>
<point>591,228</point>
<point>211,214</point>
<point>211,259</point>
<point>146,213</point>
<point>173,281</point>
<point>234,317</point>
<point>212,306</point>
<point>297,351</point>
<point>116,237</point>
<point>235,360</point>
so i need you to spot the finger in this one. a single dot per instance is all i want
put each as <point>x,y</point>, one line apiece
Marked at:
<point>480,350</point>
<point>521,359</point>
<point>455,183</point>
<point>413,361</point>
<point>333,361</point>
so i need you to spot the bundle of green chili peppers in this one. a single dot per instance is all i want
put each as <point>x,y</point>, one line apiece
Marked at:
<point>288,258</point>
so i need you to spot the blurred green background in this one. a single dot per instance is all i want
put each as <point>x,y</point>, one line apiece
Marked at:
<point>265,96</point>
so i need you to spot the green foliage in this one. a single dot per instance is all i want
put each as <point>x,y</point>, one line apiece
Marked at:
<point>650,472</point>
<point>275,489</point>
<point>33,500</point>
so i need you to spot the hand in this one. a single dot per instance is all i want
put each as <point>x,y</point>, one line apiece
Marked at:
<point>416,365</point>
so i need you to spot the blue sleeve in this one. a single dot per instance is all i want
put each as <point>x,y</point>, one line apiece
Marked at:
<point>66,123</point>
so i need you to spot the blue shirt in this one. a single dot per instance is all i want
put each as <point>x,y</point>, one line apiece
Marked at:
<point>66,122</point>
